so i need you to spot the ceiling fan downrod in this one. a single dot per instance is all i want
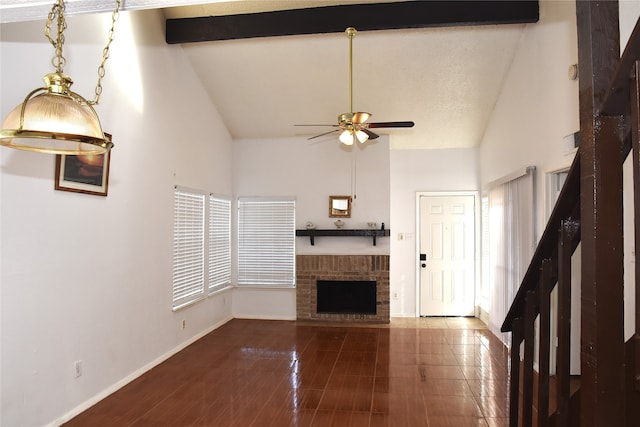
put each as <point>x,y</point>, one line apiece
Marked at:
<point>351,33</point>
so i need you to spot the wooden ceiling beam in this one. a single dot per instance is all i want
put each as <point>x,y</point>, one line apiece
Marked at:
<point>364,17</point>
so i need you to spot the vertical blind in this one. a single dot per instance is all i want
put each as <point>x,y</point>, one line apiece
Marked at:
<point>188,247</point>
<point>511,242</point>
<point>485,290</point>
<point>266,242</point>
<point>219,243</point>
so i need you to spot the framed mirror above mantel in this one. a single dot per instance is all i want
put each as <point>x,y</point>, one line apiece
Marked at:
<point>339,206</point>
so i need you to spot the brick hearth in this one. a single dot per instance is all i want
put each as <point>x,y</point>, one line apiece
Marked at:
<point>311,268</point>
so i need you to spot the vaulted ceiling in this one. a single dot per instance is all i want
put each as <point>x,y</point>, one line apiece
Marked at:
<point>442,67</point>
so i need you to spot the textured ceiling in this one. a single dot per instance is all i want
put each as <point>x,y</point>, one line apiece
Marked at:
<point>446,80</point>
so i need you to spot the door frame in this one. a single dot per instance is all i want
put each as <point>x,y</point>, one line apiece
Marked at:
<point>476,236</point>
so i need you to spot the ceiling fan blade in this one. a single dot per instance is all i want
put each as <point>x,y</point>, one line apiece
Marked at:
<point>323,134</point>
<point>371,134</point>
<point>360,117</point>
<point>391,125</point>
<point>335,126</point>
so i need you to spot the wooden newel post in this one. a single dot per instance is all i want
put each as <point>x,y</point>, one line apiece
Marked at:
<point>602,321</point>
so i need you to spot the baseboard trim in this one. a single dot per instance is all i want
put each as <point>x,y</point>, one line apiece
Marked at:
<point>126,380</point>
<point>263,317</point>
<point>482,315</point>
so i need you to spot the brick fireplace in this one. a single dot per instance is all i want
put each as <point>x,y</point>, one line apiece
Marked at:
<point>311,268</point>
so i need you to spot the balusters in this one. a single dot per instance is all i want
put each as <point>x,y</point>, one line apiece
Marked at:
<point>530,312</point>
<point>546,284</point>
<point>567,233</point>
<point>517,335</point>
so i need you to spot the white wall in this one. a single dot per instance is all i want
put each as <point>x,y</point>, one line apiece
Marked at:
<point>538,104</point>
<point>414,171</point>
<point>86,277</point>
<point>312,171</point>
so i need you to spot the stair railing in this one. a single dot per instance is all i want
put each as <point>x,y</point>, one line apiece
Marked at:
<point>608,395</point>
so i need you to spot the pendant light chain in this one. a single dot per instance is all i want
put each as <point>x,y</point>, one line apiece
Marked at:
<point>105,54</point>
<point>59,61</point>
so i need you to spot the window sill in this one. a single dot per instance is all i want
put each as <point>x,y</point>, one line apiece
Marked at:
<point>266,287</point>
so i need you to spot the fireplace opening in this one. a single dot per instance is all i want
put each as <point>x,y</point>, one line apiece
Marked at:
<point>346,296</point>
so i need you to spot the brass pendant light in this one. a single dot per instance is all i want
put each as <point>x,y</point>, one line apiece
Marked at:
<point>53,118</point>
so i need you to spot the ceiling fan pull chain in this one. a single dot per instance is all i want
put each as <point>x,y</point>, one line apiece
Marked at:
<point>354,174</point>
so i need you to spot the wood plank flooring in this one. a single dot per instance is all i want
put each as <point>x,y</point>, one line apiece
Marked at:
<point>413,372</point>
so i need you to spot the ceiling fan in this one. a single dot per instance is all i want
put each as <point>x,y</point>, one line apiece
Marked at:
<point>353,125</point>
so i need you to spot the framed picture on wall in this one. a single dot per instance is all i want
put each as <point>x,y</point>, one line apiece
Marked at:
<point>87,174</point>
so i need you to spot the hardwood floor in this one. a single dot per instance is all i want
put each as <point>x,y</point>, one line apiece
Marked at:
<point>413,372</point>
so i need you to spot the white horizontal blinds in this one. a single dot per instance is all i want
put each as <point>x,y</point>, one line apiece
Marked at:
<point>266,242</point>
<point>219,243</point>
<point>188,246</point>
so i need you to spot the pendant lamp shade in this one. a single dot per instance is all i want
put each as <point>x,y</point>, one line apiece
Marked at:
<point>54,119</point>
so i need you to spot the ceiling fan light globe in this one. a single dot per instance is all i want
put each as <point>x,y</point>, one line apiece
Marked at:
<point>362,136</point>
<point>346,137</point>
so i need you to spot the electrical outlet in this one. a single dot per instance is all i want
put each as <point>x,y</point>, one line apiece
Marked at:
<point>77,367</point>
<point>395,295</point>
<point>184,324</point>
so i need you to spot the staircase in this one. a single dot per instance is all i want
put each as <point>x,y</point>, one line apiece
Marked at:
<point>588,212</point>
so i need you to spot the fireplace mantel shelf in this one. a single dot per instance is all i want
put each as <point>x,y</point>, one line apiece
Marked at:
<point>365,232</point>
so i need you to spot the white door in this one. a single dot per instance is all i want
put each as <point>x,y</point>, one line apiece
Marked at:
<point>447,255</point>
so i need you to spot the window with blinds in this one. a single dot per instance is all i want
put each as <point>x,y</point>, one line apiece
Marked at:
<point>219,243</point>
<point>188,247</point>
<point>196,240</point>
<point>266,242</point>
